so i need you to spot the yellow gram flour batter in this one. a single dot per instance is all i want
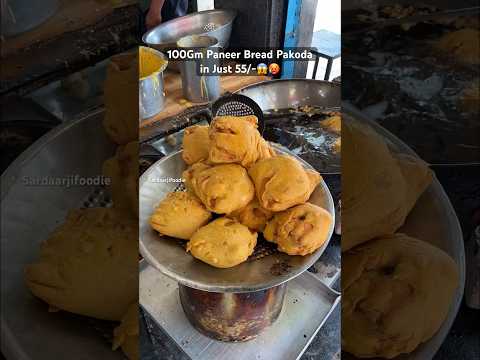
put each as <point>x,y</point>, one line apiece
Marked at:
<point>150,63</point>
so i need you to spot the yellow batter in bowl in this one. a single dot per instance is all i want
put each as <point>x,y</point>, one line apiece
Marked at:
<point>150,63</point>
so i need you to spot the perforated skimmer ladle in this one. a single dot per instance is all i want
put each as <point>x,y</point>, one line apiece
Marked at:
<point>228,104</point>
<point>238,105</point>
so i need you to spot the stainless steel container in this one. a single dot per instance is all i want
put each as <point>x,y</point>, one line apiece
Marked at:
<point>232,316</point>
<point>151,88</point>
<point>19,16</point>
<point>216,23</point>
<point>197,87</point>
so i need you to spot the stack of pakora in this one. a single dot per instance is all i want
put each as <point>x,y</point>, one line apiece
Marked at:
<point>397,290</point>
<point>195,144</point>
<point>239,142</point>
<point>235,174</point>
<point>89,264</point>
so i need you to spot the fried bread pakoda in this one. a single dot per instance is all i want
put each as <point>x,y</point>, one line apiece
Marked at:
<point>254,216</point>
<point>396,292</point>
<point>89,265</point>
<point>179,215</point>
<point>237,140</point>
<point>223,243</point>
<point>222,188</point>
<point>282,182</point>
<point>299,230</point>
<point>379,191</point>
<point>196,144</point>
<point>333,122</point>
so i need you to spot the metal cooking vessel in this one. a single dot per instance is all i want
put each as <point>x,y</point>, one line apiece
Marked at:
<point>232,316</point>
<point>288,93</point>
<point>19,16</point>
<point>278,97</point>
<point>152,90</point>
<point>195,87</point>
<point>216,23</point>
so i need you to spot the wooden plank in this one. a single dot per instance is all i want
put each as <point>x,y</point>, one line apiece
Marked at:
<point>72,15</point>
<point>175,102</point>
<point>47,61</point>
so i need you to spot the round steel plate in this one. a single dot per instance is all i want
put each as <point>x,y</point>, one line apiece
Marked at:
<point>166,254</point>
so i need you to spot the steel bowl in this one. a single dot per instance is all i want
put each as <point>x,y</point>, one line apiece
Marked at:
<point>216,23</point>
<point>433,220</point>
<point>166,254</point>
<point>196,87</point>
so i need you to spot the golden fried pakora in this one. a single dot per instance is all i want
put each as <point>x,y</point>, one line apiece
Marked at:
<point>333,122</point>
<point>223,243</point>
<point>418,177</point>
<point>396,292</point>
<point>237,140</point>
<point>196,144</point>
<point>254,216</point>
<point>377,193</point>
<point>222,188</point>
<point>282,182</point>
<point>179,215</point>
<point>299,230</point>
<point>89,264</point>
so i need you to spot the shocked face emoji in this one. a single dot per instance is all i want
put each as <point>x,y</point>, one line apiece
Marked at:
<point>274,68</point>
<point>262,69</point>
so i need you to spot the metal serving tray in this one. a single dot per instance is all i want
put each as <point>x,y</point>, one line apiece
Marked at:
<point>308,304</point>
